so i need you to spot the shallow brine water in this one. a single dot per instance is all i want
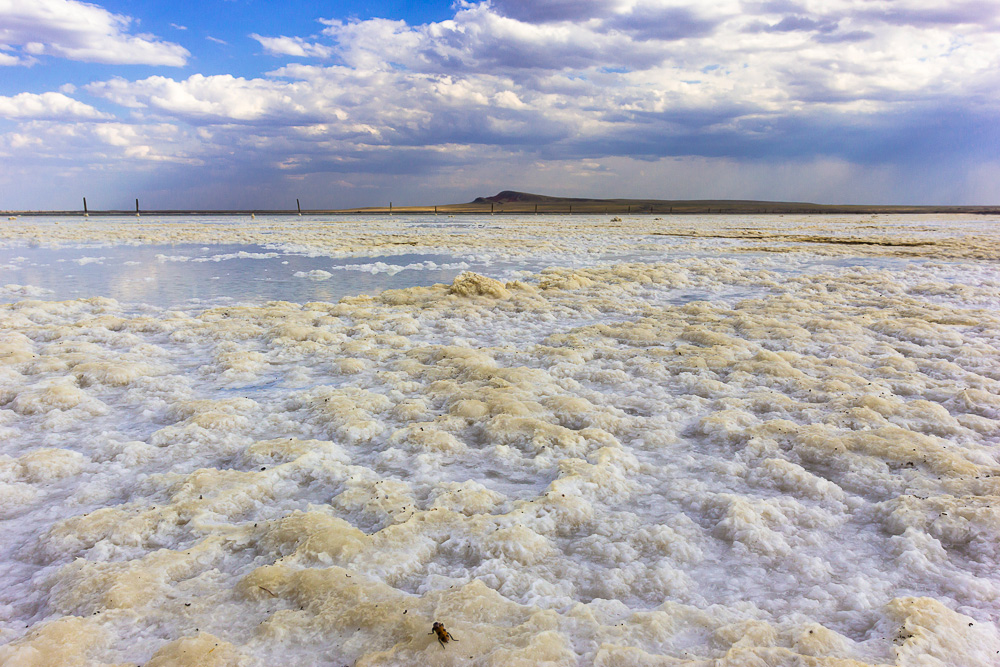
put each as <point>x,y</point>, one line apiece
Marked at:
<point>648,443</point>
<point>192,276</point>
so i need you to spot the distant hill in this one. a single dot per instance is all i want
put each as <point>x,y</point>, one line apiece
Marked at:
<point>545,203</point>
<point>513,196</point>
<point>511,201</point>
<point>508,196</point>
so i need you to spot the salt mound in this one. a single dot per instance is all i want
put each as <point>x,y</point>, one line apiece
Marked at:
<point>472,284</point>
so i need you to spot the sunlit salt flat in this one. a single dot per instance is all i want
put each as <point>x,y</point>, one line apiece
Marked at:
<point>689,441</point>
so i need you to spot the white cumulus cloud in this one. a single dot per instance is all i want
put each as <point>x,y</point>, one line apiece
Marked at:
<point>220,99</point>
<point>47,106</point>
<point>79,31</point>
<point>293,46</point>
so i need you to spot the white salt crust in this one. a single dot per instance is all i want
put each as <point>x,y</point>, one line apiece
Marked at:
<point>569,469</point>
<point>970,237</point>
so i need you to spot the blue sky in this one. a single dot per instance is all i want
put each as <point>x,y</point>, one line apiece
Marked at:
<point>245,103</point>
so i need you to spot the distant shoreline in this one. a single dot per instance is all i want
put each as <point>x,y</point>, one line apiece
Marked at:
<point>520,203</point>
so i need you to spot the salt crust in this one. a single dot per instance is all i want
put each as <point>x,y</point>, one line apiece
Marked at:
<point>966,237</point>
<point>565,470</point>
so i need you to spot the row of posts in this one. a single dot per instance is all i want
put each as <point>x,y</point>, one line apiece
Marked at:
<point>298,206</point>
<point>86,212</point>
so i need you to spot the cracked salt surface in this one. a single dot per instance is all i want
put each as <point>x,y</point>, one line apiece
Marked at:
<point>710,454</point>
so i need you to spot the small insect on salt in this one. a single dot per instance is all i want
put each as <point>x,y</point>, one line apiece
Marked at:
<point>443,635</point>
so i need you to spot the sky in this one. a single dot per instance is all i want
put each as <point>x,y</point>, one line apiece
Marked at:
<point>253,104</point>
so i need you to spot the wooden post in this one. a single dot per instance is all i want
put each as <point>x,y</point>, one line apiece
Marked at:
<point>630,208</point>
<point>435,210</point>
<point>390,208</point>
<point>137,208</point>
<point>298,206</point>
<point>491,208</point>
<point>571,209</point>
<point>85,213</point>
<point>536,209</point>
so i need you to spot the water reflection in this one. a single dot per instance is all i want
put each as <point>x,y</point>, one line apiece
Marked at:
<point>196,276</point>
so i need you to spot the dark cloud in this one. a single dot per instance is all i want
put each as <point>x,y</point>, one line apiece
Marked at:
<point>485,126</point>
<point>549,11</point>
<point>845,37</point>
<point>521,57</point>
<point>642,22</point>
<point>984,14</point>
<point>921,135</point>
<point>803,23</point>
<point>662,23</point>
<point>695,119</point>
<point>774,7</point>
<point>489,55</point>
